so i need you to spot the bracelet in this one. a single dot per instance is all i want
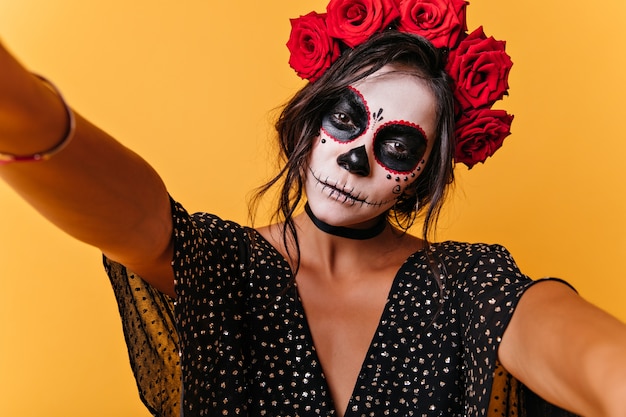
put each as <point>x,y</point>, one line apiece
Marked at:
<point>7,158</point>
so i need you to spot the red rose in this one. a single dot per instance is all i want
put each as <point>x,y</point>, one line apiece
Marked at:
<point>480,69</point>
<point>479,133</point>
<point>312,50</point>
<point>442,22</point>
<point>355,21</point>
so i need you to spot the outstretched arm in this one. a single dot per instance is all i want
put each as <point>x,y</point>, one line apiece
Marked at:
<point>567,351</point>
<point>95,189</point>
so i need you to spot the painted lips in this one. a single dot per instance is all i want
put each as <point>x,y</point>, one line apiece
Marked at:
<point>343,195</point>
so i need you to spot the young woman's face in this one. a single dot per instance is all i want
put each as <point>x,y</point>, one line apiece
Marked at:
<point>373,144</point>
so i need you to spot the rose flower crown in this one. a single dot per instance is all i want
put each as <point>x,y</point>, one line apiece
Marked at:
<point>478,65</point>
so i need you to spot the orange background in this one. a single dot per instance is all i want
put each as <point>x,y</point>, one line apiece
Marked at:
<point>193,87</point>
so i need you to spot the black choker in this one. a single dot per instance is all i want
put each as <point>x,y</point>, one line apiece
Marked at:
<point>358,234</point>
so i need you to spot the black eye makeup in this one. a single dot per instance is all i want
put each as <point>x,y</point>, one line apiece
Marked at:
<point>400,146</point>
<point>348,118</point>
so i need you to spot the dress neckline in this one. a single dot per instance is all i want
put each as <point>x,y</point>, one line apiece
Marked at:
<point>388,319</point>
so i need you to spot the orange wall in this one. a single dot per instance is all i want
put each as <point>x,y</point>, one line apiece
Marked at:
<point>191,86</point>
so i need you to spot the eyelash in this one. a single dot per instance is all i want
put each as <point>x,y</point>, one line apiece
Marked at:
<point>391,148</point>
<point>342,119</point>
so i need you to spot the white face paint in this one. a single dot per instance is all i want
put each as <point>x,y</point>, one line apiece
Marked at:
<point>373,144</point>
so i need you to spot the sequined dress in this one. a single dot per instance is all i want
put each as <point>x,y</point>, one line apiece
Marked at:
<point>236,342</point>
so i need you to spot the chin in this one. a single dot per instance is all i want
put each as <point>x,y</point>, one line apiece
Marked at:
<point>345,214</point>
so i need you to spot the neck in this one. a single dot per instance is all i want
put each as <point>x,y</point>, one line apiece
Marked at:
<point>347,232</point>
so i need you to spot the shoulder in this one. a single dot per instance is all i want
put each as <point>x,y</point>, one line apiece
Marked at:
<point>465,254</point>
<point>202,223</point>
<point>203,236</point>
<point>477,267</point>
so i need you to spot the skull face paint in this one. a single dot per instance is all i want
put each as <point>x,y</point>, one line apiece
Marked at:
<point>373,143</point>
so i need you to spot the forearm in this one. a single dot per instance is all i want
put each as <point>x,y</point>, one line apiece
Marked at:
<point>568,351</point>
<point>94,189</point>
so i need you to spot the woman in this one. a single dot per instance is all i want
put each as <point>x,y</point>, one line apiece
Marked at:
<point>398,326</point>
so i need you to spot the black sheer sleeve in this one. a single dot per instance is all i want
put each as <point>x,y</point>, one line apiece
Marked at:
<point>151,338</point>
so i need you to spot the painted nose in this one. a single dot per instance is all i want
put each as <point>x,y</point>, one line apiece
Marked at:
<point>355,161</point>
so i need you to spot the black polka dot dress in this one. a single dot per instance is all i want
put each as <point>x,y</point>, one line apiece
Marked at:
<point>236,342</point>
